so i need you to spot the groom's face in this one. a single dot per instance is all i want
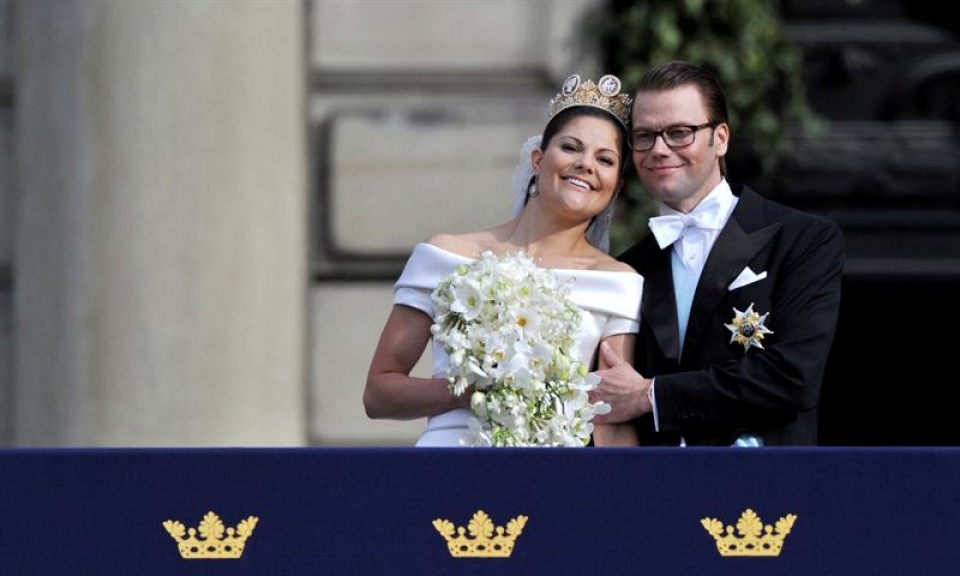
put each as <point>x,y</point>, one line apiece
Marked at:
<point>680,176</point>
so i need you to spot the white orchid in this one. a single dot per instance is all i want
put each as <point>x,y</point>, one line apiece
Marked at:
<point>508,328</point>
<point>467,301</point>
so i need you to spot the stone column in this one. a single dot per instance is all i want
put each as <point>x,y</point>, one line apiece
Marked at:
<point>160,263</point>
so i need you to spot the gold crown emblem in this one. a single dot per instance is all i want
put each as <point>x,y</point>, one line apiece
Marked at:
<point>212,543</point>
<point>750,541</point>
<point>605,95</point>
<point>482,542</point>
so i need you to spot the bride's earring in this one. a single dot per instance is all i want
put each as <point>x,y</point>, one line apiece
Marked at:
<point>532,190</point>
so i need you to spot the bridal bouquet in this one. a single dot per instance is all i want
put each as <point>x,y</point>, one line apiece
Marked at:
<point>508,328</point>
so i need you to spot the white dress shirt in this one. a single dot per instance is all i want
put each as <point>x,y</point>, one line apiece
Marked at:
<point>696,231</point>
<point>692,237</point>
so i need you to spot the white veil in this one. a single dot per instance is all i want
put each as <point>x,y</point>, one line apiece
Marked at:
<point>598,233</point>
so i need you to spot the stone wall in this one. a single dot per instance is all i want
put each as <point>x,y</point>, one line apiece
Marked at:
<point>417,111</point>
<point>204,205</point>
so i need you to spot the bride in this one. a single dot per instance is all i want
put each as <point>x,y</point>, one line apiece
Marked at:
<point>565,188</point>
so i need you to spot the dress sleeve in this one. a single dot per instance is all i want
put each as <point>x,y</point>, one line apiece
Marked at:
<point>613,298</point>
<point>624,307</point>
<point>619,325</point>
<point>418,298</point>
<point>424,269</point>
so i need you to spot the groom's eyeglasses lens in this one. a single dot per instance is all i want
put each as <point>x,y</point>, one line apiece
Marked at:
<point>675,137</point>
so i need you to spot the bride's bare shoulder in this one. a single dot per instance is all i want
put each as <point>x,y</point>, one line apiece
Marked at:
<point>470,244</point>
<point>607,263</point>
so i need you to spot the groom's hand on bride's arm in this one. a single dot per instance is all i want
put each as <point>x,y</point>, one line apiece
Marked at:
<point>622,387</point>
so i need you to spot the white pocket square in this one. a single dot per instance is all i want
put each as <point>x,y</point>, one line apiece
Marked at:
<point>746,277</point>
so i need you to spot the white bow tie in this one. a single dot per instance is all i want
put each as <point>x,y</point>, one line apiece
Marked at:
<point>670,228</point>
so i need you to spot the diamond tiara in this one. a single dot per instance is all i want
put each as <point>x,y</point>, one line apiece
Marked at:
<point>605,95</point>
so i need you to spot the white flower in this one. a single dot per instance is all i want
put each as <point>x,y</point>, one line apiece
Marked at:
<point>467,300</point>
<point>508,328</point>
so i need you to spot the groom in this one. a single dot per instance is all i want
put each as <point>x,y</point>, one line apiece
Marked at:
<point>741,294</point>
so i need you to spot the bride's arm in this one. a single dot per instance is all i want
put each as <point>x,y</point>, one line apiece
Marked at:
<point>625,433</point>
<point>390,391</point>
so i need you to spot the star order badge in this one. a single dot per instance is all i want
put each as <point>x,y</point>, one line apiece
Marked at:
<point>747,328</point>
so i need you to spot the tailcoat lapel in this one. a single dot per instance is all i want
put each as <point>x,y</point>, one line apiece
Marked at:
<point>745,234</point>
<point>660,305</point>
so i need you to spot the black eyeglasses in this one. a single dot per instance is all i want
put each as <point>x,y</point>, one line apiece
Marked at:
<point>674,137</point>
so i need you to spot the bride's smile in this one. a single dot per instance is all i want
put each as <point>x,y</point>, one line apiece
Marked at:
<point>578,182</point>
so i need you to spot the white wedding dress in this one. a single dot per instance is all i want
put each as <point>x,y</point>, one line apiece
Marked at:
<point>610,302</point>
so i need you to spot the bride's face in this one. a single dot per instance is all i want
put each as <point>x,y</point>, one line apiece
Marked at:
<point>579,171</point>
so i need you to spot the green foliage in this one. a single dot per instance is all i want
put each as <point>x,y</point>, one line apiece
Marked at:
<point>743,42</point>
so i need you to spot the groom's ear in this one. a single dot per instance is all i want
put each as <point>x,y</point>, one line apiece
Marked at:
<point>722,136</point>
